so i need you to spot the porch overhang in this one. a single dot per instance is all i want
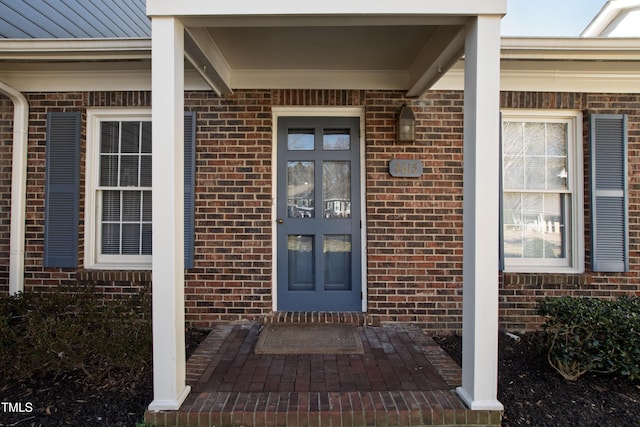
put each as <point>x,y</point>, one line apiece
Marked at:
<point>403,45</point>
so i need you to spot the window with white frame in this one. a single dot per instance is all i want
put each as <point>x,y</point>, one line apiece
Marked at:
<point>542,191</point>
<point>118,206</point>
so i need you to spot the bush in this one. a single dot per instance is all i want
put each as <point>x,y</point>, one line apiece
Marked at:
<point>73,329</point>
<point>590,334</point>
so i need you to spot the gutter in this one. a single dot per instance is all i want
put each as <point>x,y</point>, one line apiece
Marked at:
<point>18,187</point>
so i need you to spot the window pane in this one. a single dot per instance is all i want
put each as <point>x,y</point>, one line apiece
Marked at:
<point>534,225</point>
<point>146,239</point>
<point>534,173</point>
<point>534,139</point>
<point>512,137</point>
<point>557,139</point>
<point>301,139</point>
<point>513,172</point>
<point>300,263</point>
<point>111,206</point>
<point>145,171</point>
<point>337,262</point>
<point>129,171</point>
<point>300,189</point>
<point>110,137</point>
<point>556,173</point>
<point>146,137</point>
<point>336,139</point>
<point>146,206</point>
<point>336,189</point>
<point>131,205</point>
<point>109,170</point>
<point>131,239</point>
<point>130,137</point>
<point>111,239</point>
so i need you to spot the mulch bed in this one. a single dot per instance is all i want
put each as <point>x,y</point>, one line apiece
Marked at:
<point>532,392</point>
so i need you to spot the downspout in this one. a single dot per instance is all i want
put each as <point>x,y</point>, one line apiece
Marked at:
<point>18,187</point>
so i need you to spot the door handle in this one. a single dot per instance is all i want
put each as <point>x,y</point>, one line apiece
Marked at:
<point>280,221</point>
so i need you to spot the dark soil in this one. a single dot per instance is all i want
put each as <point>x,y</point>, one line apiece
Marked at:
<point>532,392</point>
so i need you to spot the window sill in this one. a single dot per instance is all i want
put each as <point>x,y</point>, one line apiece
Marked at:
<point>112,275</point>
<point>542,270</point>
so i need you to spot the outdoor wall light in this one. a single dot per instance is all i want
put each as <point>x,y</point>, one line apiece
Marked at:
<point>406,125</point>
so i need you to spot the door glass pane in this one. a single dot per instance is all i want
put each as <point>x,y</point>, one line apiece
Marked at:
<point>300,189</point>
<point>300,139</point>
<point>337,262</point>
<point>336,139</point>
<point>534,225</point>
<point>336,189</point>
<point>300,263</point>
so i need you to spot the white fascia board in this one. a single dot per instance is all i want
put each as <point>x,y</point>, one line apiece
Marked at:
<point>71,77</point>
<point>556,76</point>
<point>74,49</point>
<point>327,7</point>
<point>571,48</point>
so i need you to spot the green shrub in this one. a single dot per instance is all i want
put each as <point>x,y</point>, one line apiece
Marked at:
<point>73,329</point>
<point>590,334</point>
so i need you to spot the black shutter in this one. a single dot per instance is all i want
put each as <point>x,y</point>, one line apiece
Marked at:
<point>189,186</point>
<point>61,190</point>
<point>609,218</point>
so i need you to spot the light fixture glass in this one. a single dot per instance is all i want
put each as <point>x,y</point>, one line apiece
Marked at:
<point>406,125</point>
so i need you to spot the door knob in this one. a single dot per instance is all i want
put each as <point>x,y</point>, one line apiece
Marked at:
<point>280,221</point>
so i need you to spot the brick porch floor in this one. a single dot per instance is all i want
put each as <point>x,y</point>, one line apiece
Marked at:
<point>403,379</point>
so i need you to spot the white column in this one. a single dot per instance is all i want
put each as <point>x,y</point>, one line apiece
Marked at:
<point>169,367</point>
<point>481,174</point>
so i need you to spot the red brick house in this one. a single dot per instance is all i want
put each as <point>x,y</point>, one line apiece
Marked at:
<point>280,182</point>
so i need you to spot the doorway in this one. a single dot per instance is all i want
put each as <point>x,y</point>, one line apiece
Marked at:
<point>319,258</point>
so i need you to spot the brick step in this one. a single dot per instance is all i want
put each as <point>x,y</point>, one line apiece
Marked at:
<point>318,409</point>
<point>347,317</point>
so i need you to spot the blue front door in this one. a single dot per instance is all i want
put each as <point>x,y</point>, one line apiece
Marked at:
<point>318,211</point>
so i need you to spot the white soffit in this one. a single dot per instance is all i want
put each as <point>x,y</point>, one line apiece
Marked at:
<point>357,44</point>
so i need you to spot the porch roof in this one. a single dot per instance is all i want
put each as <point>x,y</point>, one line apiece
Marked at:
<point>406,44</point>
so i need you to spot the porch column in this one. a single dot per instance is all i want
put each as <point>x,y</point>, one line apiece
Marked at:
<point>167,64</point>
<point>481,192</point>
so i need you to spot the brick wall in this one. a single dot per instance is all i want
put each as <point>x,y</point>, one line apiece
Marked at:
<point>414,236</point>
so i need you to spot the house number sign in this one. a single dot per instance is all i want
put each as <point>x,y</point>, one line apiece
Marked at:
<point>405,168</point>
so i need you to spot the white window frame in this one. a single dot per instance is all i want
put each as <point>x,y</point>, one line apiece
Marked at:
<point>92,257</point>
<point>574,262</point>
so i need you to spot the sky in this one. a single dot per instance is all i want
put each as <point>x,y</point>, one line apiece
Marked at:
<point>552,18</point>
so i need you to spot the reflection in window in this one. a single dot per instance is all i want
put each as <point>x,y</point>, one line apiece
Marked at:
<point>336,139</point>
<point>336,189</point>
<point>300,189</point>
<point>301,139</point>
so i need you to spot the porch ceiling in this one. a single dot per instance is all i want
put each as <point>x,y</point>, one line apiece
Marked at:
<point>336,45</point>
